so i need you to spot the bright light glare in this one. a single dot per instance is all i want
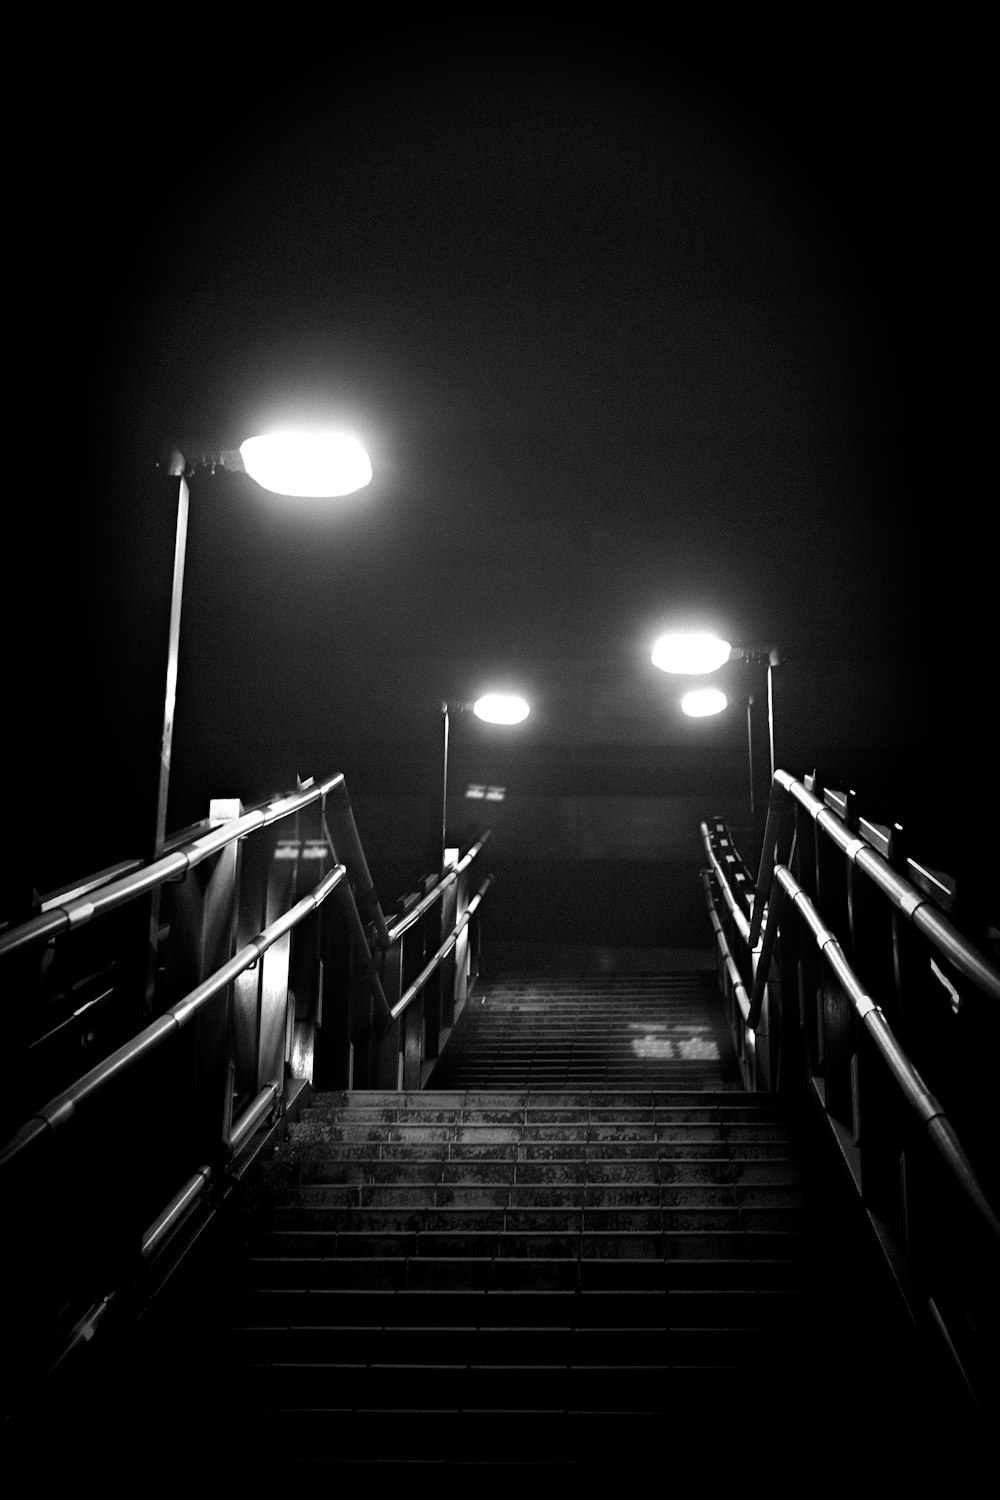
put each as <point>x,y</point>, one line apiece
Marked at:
<point>704,701</point>
<point>307,463</point>
<point>500,708</point>
<point>690,652</point>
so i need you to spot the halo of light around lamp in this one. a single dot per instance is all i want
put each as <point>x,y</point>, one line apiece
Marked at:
<point>691,652</point>
<point>500,708</point>
<point>317,464</point>
<point>700,703</point>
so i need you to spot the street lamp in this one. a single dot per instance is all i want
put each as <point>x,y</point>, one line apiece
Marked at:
<point>702,703</point>
<point>320,464</point>
<point>491,708</point>
<point>698,654</point>
<point>309,463</point>
<point>691,652</point>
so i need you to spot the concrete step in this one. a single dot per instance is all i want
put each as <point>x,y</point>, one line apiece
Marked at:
<point>718,1332</point>
<point>584,1237</point>
<point>702,1180</point>
<point>502,1209</point>
<point>597,1098</point>
<point>506,1388</point>
<point>660,1207</point>
<point>713,1261</point>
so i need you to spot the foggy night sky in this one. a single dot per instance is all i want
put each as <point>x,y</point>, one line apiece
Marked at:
<point>633,328</point>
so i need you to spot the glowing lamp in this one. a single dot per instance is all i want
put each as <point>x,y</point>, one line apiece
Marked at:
<point>307,463</point>
<point>690,652</point>
<point>702,702</point>
<point>500,708</point>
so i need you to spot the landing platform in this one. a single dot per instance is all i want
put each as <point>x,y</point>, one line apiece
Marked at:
<point>584,958</point>
<point>571,1029</point>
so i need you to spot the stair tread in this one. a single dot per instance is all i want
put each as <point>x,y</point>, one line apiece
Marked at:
<point>582,1219</point>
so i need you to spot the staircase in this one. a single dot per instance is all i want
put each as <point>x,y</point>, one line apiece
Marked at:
<point>618,1031</point>
<point>582,1248</point>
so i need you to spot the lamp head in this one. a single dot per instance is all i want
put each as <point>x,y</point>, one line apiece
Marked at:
<point>701,703</point>
<point>501,708</point>
<point>313,464</point>
<point>690,652</point>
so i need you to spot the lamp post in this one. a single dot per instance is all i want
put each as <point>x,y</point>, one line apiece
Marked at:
<point>317,464</point>
<point>700,654</point>
<point>491,708</point>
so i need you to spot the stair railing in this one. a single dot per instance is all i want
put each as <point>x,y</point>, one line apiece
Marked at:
<point>428,980</point>
<point>273,955</point>
<point>843,977</point>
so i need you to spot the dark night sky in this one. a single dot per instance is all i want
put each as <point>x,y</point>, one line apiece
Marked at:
<point>632,329</point>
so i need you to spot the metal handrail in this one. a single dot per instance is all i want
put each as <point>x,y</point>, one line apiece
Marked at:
<point>173,866</point>
<point>342,814</point>
<point>175,1210</point>
<point>916,1093</point>
<point>403,923</point>
<point>414,989</point>
<point>729,963</point>
<point>742,925</point>
<point>60,913</point>
<point>60,1110</point>
<point>78,888</point>
<point>349,909</point>
<point>919,908</point>
<point>918,1096</point>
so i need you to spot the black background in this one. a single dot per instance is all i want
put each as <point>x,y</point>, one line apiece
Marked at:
<point>637,327</point>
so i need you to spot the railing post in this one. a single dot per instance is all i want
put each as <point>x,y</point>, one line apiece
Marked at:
<point>464,949</point>
<point>439,994</point>
<point>334,1061</point>
<point>385,1051</point>
<point>247,987</point>
<point>203,913</point>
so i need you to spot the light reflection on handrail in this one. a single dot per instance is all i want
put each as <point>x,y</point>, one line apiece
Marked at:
<point>78,888</point>
<point>164,1222</point>
<point>60,1110</point>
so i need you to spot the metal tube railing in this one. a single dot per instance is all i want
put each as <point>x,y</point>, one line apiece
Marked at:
<point>407,920</point>
<point>196,1185</point>
<point>742,925</point>
<point>414,989</point>
<point>174,1211</point>
<point>251,1117</point>
<point>919,908</point>
<point>765,954</point>
<point>338,809</point>
<point>78,888</point>
<point>60,1110</point>
<point>173,866</point>
<point>729,963</point>
<point>916,1093</point>
<point>350,911</point>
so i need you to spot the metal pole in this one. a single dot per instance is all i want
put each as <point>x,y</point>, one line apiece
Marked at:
<point>758,749</point>
<point>175,468</point>
<point>445,730</point>
<point>173,642</point>
<point>750,767</point>
<point>439,797</point>
<point>773,660</point>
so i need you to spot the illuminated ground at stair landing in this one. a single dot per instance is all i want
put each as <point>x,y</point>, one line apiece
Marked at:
<point>674,1043</point>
